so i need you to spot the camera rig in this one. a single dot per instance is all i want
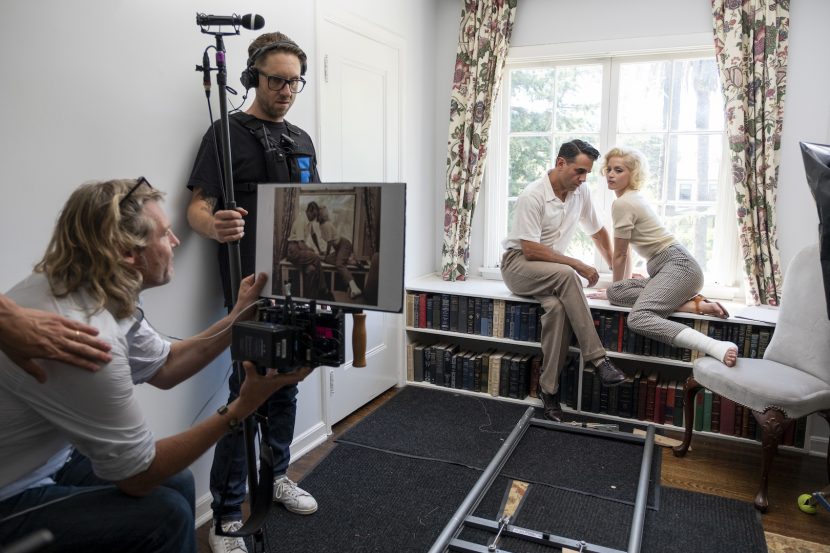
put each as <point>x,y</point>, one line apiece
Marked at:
<point>289,334</point>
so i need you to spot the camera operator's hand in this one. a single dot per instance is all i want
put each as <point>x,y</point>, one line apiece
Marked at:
<point>256,388</point>
<point>229,225</point>
<point>249,292</point>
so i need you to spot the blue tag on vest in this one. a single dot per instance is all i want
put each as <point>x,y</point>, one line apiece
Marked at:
<point>304,165</point>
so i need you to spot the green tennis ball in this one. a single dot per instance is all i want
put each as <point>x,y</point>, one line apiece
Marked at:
<point>806,503</point>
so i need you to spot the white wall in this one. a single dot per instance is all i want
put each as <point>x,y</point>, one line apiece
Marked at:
<point>538,22</point>
<point>807,119</point>
<point>95,89</point>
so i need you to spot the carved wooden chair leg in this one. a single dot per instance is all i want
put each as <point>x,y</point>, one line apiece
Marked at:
<point>690,389</point>
<point>773,423</point>
<point>826,416</point>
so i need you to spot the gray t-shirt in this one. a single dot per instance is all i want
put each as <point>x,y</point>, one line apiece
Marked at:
<point>95,412</point>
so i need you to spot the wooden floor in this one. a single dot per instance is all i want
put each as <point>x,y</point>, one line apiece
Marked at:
<point>713,466</point>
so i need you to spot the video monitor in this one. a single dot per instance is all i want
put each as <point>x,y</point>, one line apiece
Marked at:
<point>337,243</point>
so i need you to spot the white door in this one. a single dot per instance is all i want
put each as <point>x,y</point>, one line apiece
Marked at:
<point>360,142</point>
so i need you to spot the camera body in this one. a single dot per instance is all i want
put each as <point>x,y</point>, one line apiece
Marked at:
<point>289,335</point>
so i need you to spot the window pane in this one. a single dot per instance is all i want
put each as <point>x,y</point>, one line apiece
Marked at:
<point>698,103</point>
<point>511,207</point>
<point>694,227</point>
<point>643,96</point>
<point>531,100</point>
<point>582,248</point>
<point>694,166</point>
<point>529,159</point>
<point>578,98</point>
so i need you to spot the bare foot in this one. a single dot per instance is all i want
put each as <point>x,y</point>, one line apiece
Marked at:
<point>731,357</point>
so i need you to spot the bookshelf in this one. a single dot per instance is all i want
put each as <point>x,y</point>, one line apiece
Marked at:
<point>477,337</point>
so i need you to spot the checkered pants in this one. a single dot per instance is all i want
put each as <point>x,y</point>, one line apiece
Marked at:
<point>675,277</point>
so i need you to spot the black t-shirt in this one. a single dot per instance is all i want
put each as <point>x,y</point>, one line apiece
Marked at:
<point>249,169</point>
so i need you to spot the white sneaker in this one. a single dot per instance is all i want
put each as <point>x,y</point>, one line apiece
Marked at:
<point>293,497</point>
<point>226,544</point>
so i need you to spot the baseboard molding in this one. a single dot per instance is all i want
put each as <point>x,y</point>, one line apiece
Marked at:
<point>203,512</point>
<point>301,445</point>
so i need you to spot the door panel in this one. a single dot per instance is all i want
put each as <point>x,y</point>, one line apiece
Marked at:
<point>360,139</point>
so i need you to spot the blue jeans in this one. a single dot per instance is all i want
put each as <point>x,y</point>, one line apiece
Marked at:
<point>229,461</point>
<point>92,515</point>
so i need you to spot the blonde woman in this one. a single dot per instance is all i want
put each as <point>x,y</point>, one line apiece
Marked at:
<point>674,275</point>
<point>338,250</point>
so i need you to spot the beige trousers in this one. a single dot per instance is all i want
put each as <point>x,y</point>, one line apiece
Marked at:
<point>558,289</point>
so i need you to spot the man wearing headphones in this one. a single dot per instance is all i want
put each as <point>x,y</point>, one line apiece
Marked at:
<point>264,148</point>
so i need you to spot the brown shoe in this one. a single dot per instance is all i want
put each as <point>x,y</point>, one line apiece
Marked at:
<point>609,374</point>
<point>552,408</point>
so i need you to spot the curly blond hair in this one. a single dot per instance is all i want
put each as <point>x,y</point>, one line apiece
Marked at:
<point>100,222</point>
<point>634,160</point>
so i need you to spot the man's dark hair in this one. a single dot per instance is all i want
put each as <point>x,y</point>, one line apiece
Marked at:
<point>569,150</point>
<point>282,44</point>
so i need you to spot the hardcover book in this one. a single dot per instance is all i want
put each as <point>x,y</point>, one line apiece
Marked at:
<point>494,376</point>
<point>444,323</point>
<point>587,387</point>
<point>727,416</point>
<point>418,359</point>
<point>454,313</point>
<point>498,318</point>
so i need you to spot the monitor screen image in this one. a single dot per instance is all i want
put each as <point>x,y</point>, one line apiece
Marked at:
<point>337,243</point>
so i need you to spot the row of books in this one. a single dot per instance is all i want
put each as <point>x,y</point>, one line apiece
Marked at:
<point>642,396</point>
<point>752,340</point>
<point>474,315</point>
<point>522,321</point>
<point>647,397</point>
<point>498,373</point>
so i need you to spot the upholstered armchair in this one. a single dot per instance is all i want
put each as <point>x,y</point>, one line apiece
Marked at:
<point>793,378</point>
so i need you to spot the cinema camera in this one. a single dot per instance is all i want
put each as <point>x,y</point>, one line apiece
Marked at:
<point>289,335</point>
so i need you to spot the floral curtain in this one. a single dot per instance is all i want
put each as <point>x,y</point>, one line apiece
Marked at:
<point>751,44</point>
<point>287,218</point>
<point>483,40</point>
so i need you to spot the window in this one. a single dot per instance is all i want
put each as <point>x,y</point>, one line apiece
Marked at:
<point>668,105</point>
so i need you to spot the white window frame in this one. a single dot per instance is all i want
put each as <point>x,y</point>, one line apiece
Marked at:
<point>610,54</point>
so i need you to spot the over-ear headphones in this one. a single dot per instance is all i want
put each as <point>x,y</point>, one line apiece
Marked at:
<point>250,76</point>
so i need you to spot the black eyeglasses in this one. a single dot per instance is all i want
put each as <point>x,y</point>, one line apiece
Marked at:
<point>140,181</point>
<point>276,83</point>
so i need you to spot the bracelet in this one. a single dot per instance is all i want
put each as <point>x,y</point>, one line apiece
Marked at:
<point>233,423</point>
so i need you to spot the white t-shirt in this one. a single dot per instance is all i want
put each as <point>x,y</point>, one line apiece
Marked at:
<point>94,412</point>
<point>542,217</point>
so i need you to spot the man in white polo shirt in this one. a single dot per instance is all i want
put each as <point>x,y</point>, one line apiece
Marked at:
<point>533,264</point>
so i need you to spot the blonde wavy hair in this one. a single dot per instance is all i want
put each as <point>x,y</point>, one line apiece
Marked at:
<point>101,222</point>
<point>634,160</point>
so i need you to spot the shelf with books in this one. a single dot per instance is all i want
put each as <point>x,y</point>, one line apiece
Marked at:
<point>477,337</point>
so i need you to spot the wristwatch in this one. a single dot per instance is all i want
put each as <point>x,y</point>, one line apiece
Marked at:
<point>233,422</point>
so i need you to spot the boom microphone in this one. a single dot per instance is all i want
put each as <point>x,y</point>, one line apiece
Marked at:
<point>206,72</point>
<point>251,21</point>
